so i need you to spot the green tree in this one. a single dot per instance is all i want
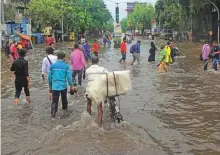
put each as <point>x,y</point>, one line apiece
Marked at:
<point>171,14</point>
<point>109,26</point>
<point>124,24</point>
<point>9,13</point>
<point>142,16</point>
<point>78,15</point>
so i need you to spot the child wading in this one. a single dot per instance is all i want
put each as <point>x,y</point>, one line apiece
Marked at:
<point>20,68</point>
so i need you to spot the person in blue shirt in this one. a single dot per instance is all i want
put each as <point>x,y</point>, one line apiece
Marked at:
<point>216,56</point>
<point>136,52</point>
<point>87,51</point>
<point>58,76</point>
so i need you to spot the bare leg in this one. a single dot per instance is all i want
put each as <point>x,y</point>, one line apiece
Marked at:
<point>89,105</point>
<point>51,96</point>
<point>134,58</point>
<point>28,99</point>
<point>100,113</point>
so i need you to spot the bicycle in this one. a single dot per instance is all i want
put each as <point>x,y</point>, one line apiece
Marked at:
<point>114,109</point>
<point>114,106</point>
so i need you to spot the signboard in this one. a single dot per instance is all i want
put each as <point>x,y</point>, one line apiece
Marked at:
<point>117,29</point>
<point>131,5</point>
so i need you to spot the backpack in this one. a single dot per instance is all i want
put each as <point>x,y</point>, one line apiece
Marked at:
<point>132,49</point>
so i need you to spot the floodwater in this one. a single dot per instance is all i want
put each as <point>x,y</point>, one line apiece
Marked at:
<point>171,113</point>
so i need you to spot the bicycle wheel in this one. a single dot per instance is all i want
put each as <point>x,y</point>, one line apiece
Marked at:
<point>112,108</point>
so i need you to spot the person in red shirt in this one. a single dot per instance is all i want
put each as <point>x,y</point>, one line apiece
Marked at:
<point>123,50</point>
<point>14,52</point>
<point>96,47</point>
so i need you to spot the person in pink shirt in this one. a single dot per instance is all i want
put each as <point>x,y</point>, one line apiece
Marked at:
<point>14,52</point>
<point>205,55</point>
<point>77,61</point>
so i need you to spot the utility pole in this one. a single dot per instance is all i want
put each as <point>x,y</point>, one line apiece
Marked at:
<point>218,16</point>
<point>2,16</point>
<point>116,10</point>
<point>2,12</point>
<point>62,23</point>
<point>84,18</point>
<point>117,13</point>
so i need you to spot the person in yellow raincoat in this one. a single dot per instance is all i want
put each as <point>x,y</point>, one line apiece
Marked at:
<point>168,59</point>
<point>162,66</point>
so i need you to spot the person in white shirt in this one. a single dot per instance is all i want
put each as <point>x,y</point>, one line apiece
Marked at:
<point>92,73</point>
<point>47,61</point>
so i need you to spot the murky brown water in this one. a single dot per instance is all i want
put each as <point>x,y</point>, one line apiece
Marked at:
<point>174,113</point>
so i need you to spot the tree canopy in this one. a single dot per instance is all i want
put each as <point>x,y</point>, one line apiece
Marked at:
<point>142,16</point>
<point>171,14</point>
<point>188,15</point>
<point>124,24</point>
<point>77,14</point>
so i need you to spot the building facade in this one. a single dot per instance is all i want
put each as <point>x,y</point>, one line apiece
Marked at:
<point>131,6</point>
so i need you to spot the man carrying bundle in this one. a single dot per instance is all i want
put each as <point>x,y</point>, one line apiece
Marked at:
<point>92,73</point>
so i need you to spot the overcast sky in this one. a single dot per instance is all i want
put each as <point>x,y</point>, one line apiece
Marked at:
<point>122,6</point>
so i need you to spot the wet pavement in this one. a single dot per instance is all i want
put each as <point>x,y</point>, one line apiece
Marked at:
<point>171,113</point>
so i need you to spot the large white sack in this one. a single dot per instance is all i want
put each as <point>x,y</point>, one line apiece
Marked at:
<point>117,81</point>
<point>95,91</point>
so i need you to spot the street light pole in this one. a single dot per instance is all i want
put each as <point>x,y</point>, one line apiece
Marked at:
<point>2,21</point>
<point>62,22</point>
<point>218,16</point>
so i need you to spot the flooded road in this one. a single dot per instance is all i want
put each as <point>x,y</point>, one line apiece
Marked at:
<point>173,113</point>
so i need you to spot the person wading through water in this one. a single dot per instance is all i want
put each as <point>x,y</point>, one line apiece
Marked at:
<point>14,52</point>
<point>77,61</point>
<point>87,51</point>
<point>162,66</point>
<point>7,49</point>
<point>22,79</point>
<point>59,74</point>
<point>216,54</point>
<point>92,73</point>
<point>96,47</point>
<point>123,48</point>
<point>136,52</point>
<point>168,54</point>
<point>205,55</point>
<point>47,61</point>
<point>81,48</point>
<point>152,52</point>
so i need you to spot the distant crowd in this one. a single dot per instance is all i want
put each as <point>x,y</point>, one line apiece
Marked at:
<point>58,73</point>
